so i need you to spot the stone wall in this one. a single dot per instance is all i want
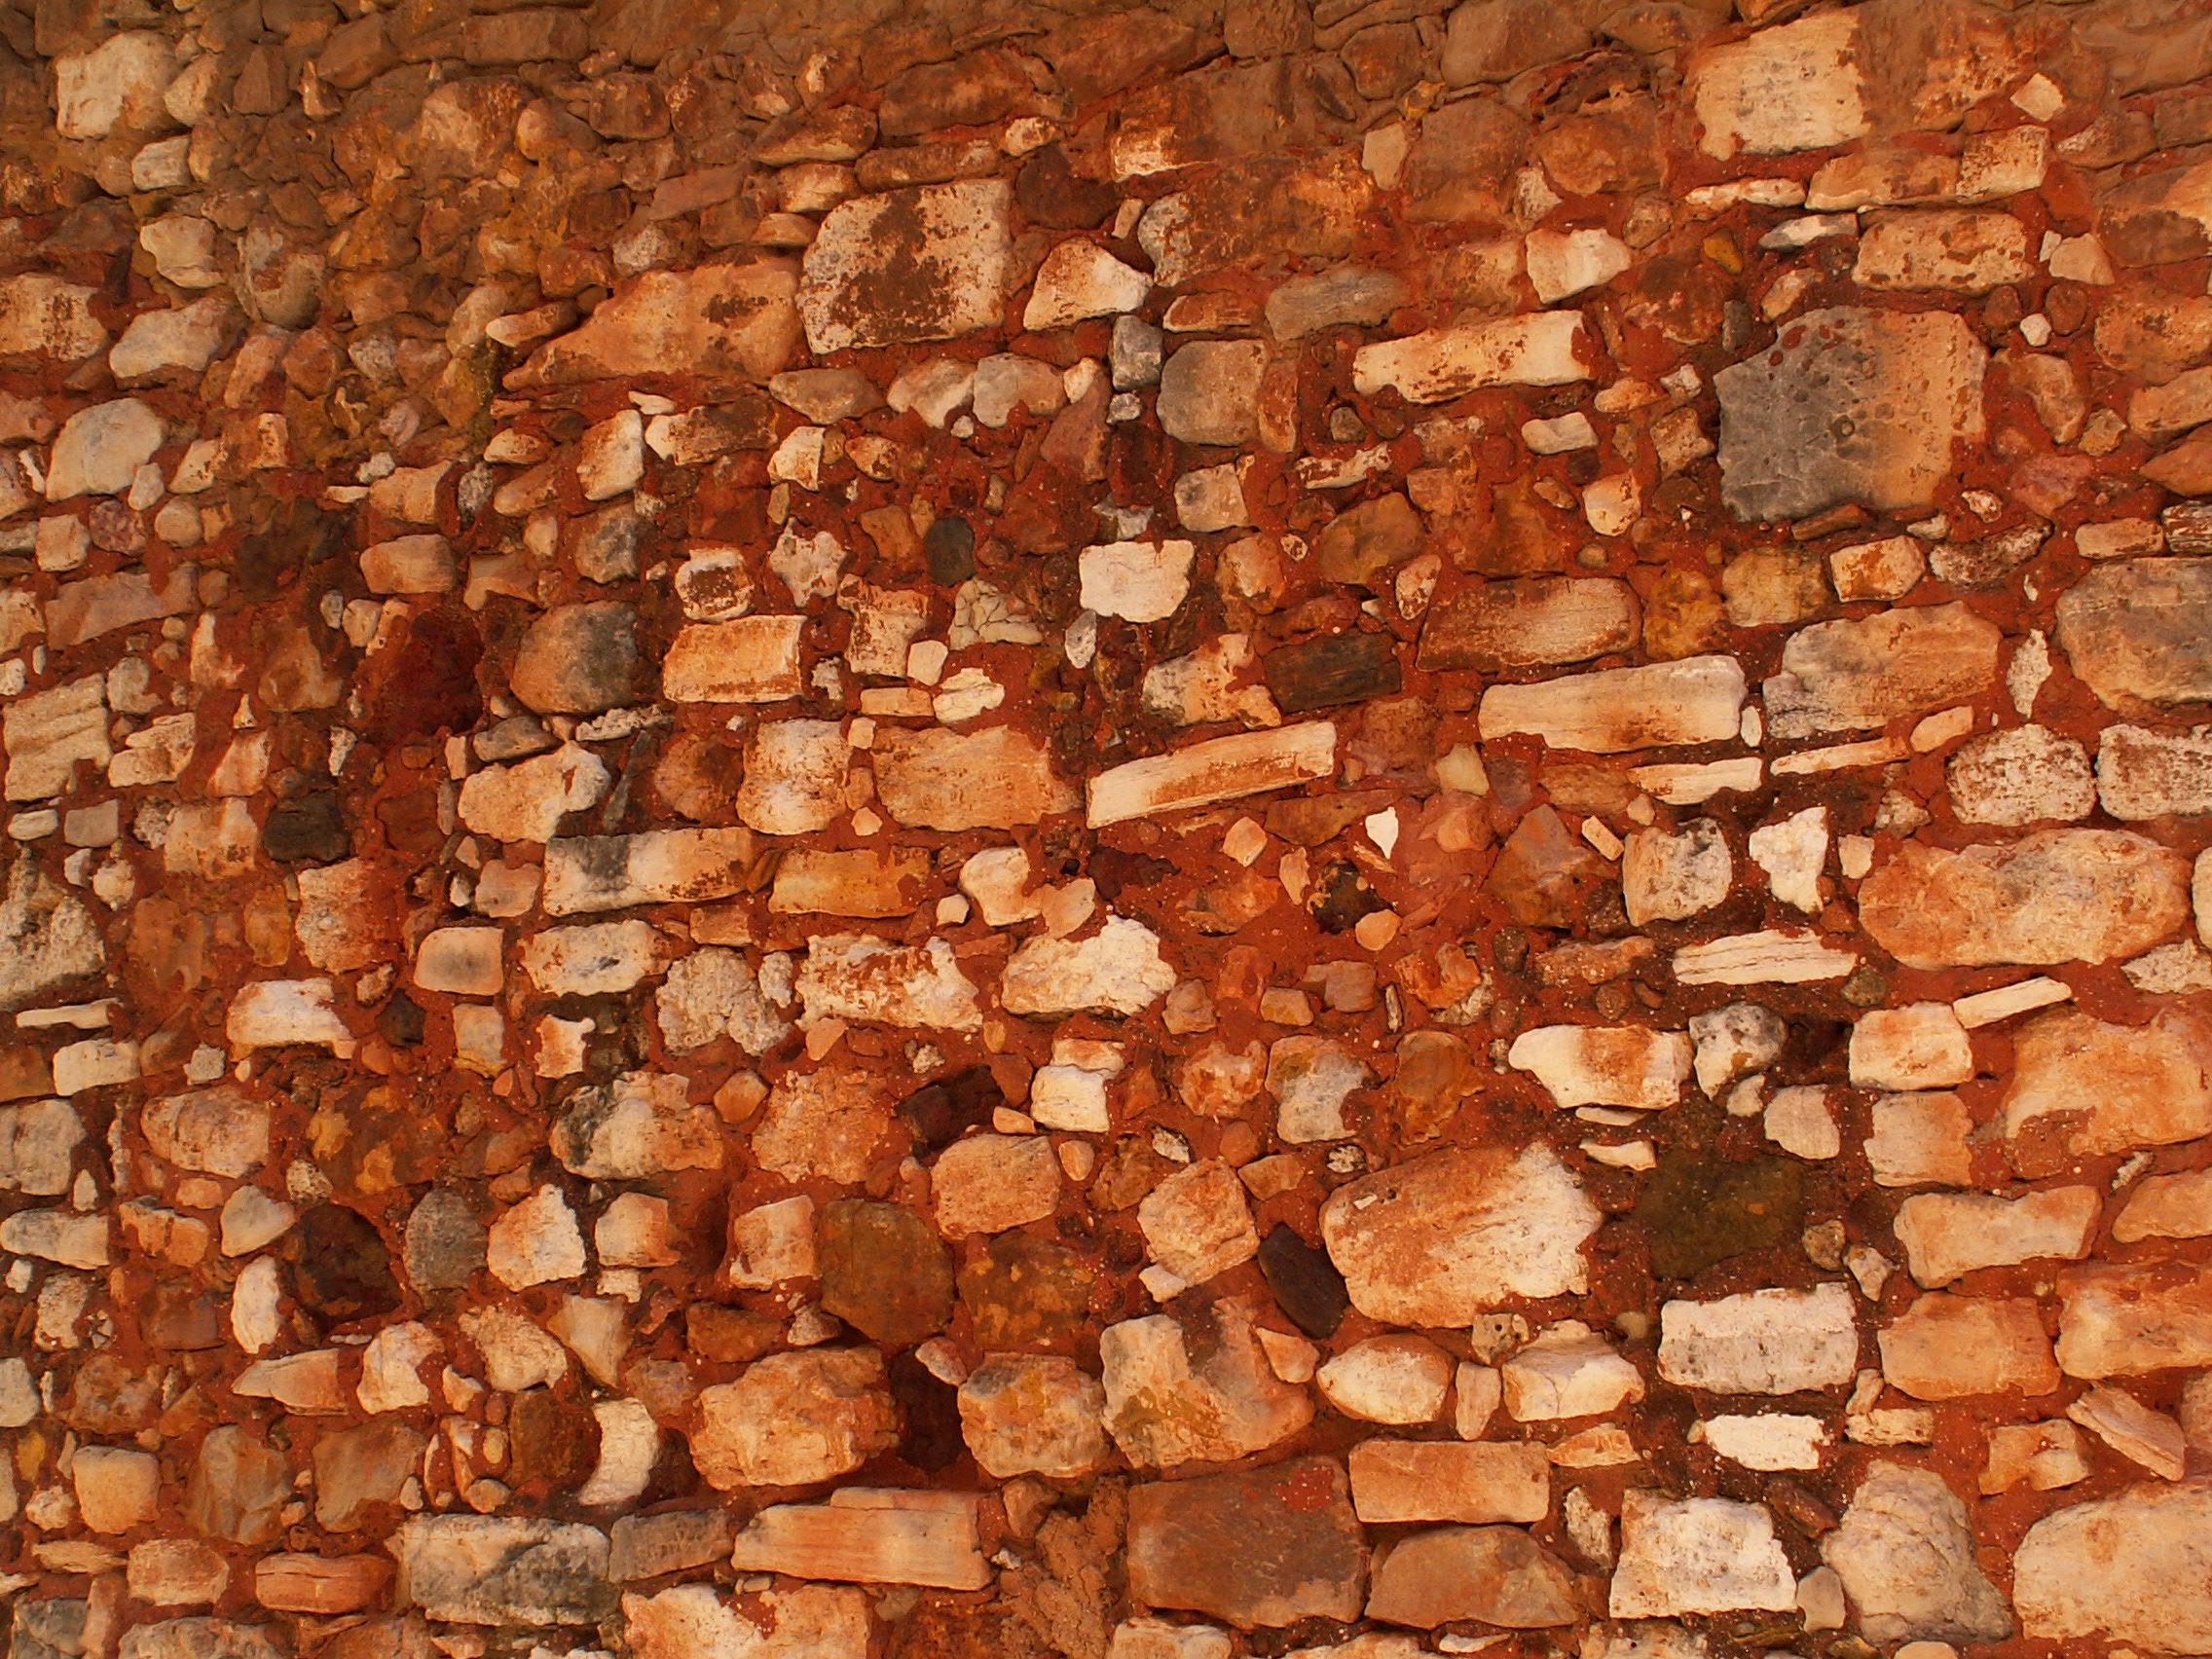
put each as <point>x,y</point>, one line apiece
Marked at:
<point>992,831</point>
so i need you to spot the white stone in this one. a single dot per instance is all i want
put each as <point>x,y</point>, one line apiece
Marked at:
<point>859,977</point>
<point>1921,1046</point>
<point>1561,263</point>
<point>1761,1342</point>
<point>1948,1235</point>
<point>1443,363</point>
<point>1118,970</point>
<point>1081,279</point>
<point>100,450</point>
<point>1793,852</point>
<point>1906,1556</point>
<point>1699,1555</point>
<point>1670,877</point>
<point>536,1242</point>
<point>1567,1371</point>
<point>2026,775</point>
<point>1781,1440</point>
<point>1140,581</point>
<point>1397,1379</point>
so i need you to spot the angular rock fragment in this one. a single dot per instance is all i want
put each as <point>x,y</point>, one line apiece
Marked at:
<point>793,1419</point>
<point>717,319</point>
<point>1906,1557</point>
<point>1195,1387</point>
<point>1033,1414</point>
<point>926,263</point>
<point>2138,632</point>
<point>493,1569</point>
<point>1439,1240</point>
<point>1496,1575</point>
<point>1700,1555</point>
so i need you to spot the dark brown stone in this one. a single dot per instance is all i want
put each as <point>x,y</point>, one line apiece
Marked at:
<point>341,1268</point>
<point>885,1272</point>
<point>1362,544</point>
<point>1538,619</point>
<point>1023,1293</point>
<point>1697,1210</point>
<point>1544,874</point>
<point>1267,1547</point>
<point>1333,669</point>
<point>973,88</point>
<point>1461,164</point>
<point>550,1440</point>
<point>1306,1283</point>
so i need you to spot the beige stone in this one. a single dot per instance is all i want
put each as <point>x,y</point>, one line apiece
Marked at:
<point>988,1182</point>
<point>1947,1347</point>
<point>793,1418</point>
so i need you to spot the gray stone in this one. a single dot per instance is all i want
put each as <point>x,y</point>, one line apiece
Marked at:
<point>2139,631</point>
<point>1855,406</point>
<point>48,938</point>
<point>445,1243</point>
<point>494,1570</point>
<point>579,659</point>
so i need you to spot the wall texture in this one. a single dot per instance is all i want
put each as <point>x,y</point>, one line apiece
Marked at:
<point>1002,832</point>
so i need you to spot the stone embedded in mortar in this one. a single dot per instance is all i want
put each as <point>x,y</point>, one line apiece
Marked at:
<point>1851,405</point>
<point>930,262</point>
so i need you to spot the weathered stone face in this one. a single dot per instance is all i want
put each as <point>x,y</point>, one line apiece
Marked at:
<point>927,263</point>
<point>1851,405</point>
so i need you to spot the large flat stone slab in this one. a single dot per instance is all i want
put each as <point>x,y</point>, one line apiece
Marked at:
<point>1851,405</point>
<point>928,263</point>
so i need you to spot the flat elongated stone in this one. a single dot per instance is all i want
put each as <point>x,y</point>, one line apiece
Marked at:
<point>717,320</point>
<point>1222,768</point>
<point>925,263</point>
<point>1442,1238</point>
<point>870,1535</point>
<point>1497,1576</point>
<point>1858,675</point>
<point>1443,363</point>
<point>657,867</point>
<point>1442,1480</point>
<point>1695,700</point>
<point>1586,1065</point>
<point>1763,1341</point>
<point>494,1570</point>
<point>1260,1547</point>
<point>859,977</point>
<point>2139,631</point>
<point>2055,895</point>
<point>1947,1236</point>
<point>1536,620</point>
<point>1947,1347</point>
<point>1851,405</point>
<point>1330,670</point>
<point>998,778</point>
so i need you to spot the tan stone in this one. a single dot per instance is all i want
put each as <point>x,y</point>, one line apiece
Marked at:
<point>2054,895</point>
<point>793,1418</point>
<point>1497,1576</point>
<point>870,1535</point>
<point>988,1182</point>
<point>2129,1320</point>
<point>717,319</point>
<point>1033,1414</point>
<point>1948,1235</point>
<point>2081,1086</point>
<point>1441,1238</point>
<point>1947,1347</point>
<point>1442,1480</point>
<point>826,1123</point>
<point>754,659</point>
<point>1196,1385</point>
<point>938,779</point>
<point>1693,700</point>
<point>2127,1567</point>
